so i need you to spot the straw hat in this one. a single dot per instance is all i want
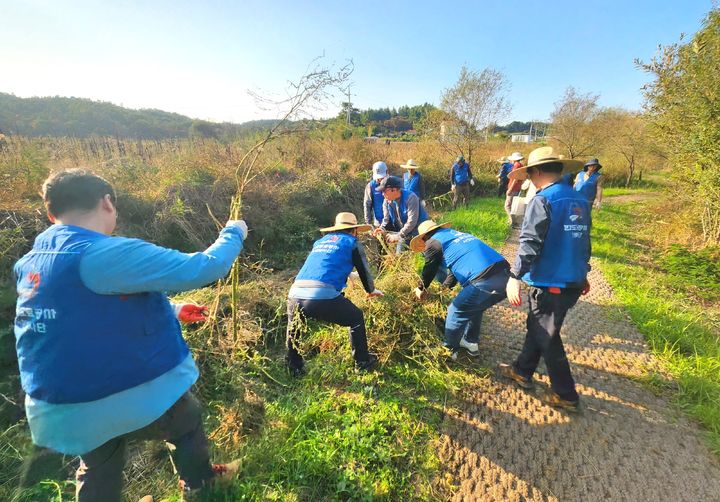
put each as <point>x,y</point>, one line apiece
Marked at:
<point>516,156</point>
<point>502,159</point>
<point>343,221</point>
<point>544,155</point>
<point>410,165</point>
<point>417,244</point>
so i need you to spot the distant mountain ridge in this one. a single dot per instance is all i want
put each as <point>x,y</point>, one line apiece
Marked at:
<point>79,117</point>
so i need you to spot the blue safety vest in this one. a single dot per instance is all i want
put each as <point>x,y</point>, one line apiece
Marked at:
<point>461,173</point>
<point>412,184</point>
<point>400,205</point>
<point>564,258</point>
<point>330,260</point>
<point>377,200</point>
<point>74,345</point>
<point>505,171</point>
<point>465,255</point>
<point>587,185</point>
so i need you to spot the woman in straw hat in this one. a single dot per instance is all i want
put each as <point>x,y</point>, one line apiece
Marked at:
<point>482,272</point>
<point>553,260</point>
<point>412,180</point>
<point>317,290</point>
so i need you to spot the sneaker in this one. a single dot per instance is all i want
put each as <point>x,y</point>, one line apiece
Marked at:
<point>508,371</point>
<point>451,354</point>
<point>471,348</point>
<point>552,399</point>
<point>368,364</point>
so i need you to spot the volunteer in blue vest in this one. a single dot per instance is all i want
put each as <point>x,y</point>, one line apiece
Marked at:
<point>402,213</point>
<point>101,354</point>
<point>589,183</point>
<point>481,271</point>
<point>317,292</point>
<point>502,175</point>
<point>461,179</point>
<point>373,200</point>
<point>413,181</point>
<point>553,259</point>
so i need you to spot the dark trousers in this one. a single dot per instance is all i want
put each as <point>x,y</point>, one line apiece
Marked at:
<point>339,310</point>
<point>502,188</point>
<point>461,190</point>
<point>100,477</point>
<point>546,315</point>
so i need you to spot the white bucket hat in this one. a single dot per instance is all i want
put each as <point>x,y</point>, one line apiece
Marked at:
<point>410,165</point>
<point>344,221</point>
<point>516,156</point>
<point>379,170</point>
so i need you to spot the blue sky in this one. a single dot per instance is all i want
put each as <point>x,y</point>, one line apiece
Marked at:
<point>200,58</point>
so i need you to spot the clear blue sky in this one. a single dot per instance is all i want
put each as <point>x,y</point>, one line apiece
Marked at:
<point>200,58</point>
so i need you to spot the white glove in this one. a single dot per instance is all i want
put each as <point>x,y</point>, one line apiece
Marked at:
<point>240,225</point>
<point>393,237</point>
<point>423,203</point>
<point>354,276</point>
<point>420,294</point>
<point>375,294</point>
<point>452,187</point>
<point>597,204</point>
<point>472,182</point>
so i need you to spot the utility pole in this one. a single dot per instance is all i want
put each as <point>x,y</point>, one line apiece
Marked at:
<point>349,106</point>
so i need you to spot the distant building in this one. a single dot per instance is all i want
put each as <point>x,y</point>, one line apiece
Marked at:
<point>522,138</point>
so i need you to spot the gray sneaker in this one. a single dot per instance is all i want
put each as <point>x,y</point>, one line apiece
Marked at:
<point>471,348</point>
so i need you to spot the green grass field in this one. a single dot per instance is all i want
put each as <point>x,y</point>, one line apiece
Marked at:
<point>667,308</point>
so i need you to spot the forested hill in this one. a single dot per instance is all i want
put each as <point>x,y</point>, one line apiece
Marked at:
<point>77,117</point>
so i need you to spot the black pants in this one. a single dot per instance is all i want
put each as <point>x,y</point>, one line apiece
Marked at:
<point>502,188</point>
<point>100,476</point>
<point>546,315</point>
<point>339,310</point>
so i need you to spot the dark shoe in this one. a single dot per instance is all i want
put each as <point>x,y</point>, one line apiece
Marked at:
<point>508,371</point>
<point>295,370</point>
<point>368,364</point>
<point>552,399</point>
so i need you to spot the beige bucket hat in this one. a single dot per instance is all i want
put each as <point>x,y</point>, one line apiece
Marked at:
<point>410,165</point>
<point>417,244</point>
<point>502,159</point>
<point>544,155</point>
<point>343,221</point>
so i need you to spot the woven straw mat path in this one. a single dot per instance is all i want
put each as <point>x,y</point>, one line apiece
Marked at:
<point>502,443</point>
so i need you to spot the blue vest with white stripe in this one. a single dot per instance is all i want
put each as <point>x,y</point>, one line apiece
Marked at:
<point>587,185</point>
<point>377,200</point>
<point>76,346</point>
<point>465,255</point>
<point>330,260</point>
<point>563,260</point>
<point>461,173</point>
<point>400,204</point>
<point>412,184</point>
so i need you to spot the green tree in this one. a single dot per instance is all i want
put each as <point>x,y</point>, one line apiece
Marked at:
<point>683,102</point>
<point>572,124</point>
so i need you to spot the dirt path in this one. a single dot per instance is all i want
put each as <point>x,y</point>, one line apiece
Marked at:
<point>502,443</point>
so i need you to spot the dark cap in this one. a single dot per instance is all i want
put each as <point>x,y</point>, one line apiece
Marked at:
<point>389,182</point>
<point>593,162</point>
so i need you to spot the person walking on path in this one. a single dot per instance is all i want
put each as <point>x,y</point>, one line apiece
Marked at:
<point>317,292</point>
<point>373,200</point>
<point>402,213</point>
<point>514,185</point>
<point>412,180</point>
<point>101,354</point>
<point>461,179</point>
<point>482,272</point>
<point>502,176</point>
<point>553,259</point>
<point>589,182</point>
